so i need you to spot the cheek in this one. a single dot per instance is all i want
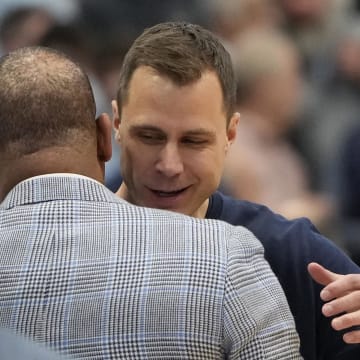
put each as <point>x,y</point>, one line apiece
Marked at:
<point>210,163</point>
<point>219,160</point>
<point>128,158</point>
<point>137,159</point>
<point>209,171</point>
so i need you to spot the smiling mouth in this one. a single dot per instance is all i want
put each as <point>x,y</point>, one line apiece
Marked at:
<point>165,194</point>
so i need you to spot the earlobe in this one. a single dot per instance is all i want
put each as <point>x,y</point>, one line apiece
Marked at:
<point>103,127</point>
<point>116,120</point>
<point>115,111</point>
<point>232,129</point>
<point>117,136</point>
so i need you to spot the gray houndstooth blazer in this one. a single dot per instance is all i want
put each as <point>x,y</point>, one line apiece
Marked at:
<point>97,278</point>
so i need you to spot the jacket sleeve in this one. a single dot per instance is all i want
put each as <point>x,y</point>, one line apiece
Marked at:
<point>257,322</point>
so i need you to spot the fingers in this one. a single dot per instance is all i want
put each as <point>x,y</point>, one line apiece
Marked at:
<point>343,285</point>
<point>352,337</point>
<point>348,303</point>
<point>342,294</point>
<point>346,321</point>
<point>321,275</point>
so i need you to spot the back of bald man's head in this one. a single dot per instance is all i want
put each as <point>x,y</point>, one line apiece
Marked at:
<point>45,100</point>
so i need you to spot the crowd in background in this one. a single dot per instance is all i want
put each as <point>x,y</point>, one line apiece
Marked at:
<point>297,64</point>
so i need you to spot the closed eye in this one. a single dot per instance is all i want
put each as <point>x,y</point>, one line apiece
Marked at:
<point>195,141</point>
<point>150,137</point>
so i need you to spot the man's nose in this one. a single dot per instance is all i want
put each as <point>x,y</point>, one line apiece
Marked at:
<point>170,162</point>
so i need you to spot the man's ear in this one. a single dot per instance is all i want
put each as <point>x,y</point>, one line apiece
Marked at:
<point>232,129</point>
<point>116,119</point>
<point>103,129</point>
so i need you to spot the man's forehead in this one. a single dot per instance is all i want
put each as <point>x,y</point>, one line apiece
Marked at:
<point>149,73</point>
<point>154,98</point>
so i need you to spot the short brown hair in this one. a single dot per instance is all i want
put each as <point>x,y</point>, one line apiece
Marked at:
<point>181,51</point>
<point>44,97</point>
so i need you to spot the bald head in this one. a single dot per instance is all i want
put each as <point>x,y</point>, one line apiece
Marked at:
<point>47,119</point>
<point>45,100</point>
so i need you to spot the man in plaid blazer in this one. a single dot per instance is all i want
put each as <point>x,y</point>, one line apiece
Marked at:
<point>94,277</point>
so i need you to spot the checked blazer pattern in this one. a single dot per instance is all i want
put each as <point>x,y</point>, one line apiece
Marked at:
<point>94,277</point>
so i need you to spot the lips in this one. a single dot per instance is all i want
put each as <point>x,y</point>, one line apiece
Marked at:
<point>165,194</point>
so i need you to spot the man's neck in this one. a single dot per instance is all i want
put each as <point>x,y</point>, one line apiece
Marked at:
<point>200,213</point>
<point>123,193</point>
<point>15,170</point>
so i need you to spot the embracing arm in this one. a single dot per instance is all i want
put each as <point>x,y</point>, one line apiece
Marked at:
<point>257,319</point>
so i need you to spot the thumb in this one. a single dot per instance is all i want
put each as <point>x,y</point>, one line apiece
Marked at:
<point>321,275</point>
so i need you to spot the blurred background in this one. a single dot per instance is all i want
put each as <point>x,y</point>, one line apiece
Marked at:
<point>297,64</point>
